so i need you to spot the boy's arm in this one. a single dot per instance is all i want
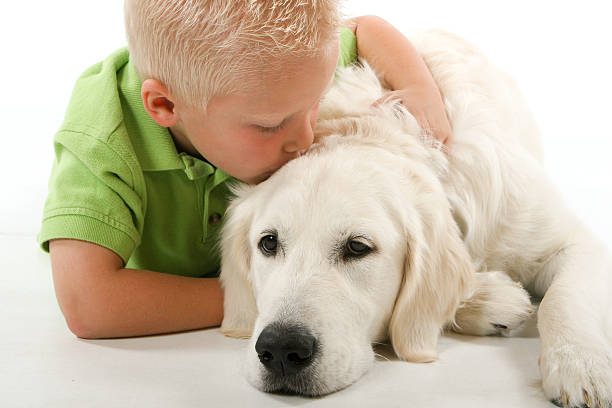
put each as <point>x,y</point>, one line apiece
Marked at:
<point>101,299</point>
<point>390,53</point>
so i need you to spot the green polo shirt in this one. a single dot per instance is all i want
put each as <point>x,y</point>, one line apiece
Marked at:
<point>119,181</point>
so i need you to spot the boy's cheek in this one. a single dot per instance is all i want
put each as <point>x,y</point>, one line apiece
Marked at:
<point>314,117</point>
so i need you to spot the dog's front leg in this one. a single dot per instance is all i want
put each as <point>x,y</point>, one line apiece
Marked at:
<point>574,320</point>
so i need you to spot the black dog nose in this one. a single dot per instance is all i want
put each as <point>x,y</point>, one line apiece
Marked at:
<point>285,349</point>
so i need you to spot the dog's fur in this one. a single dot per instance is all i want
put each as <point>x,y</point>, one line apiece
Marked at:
<point>432,221</point>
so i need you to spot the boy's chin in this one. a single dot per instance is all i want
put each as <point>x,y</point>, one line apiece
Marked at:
<point>260,178</point>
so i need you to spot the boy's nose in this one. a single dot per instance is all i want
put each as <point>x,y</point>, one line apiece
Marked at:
<point>302,137</point>
<point>299,142</point>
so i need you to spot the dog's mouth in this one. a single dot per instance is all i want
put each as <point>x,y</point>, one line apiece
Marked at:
<point>303,383</point>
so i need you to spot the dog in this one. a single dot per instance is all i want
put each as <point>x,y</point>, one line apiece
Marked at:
<point>375,233</point>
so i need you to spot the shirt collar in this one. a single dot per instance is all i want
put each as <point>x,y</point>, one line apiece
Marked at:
<point>153,143</point>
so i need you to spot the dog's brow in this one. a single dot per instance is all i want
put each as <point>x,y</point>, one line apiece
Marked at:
<point>269,231</point>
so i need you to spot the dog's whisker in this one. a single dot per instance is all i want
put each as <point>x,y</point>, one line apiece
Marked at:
<point>378,355</point>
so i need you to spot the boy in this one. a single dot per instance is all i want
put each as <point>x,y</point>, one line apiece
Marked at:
<point>210,91</point>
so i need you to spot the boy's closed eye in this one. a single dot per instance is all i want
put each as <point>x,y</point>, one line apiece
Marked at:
<point>271,129</point>
<point>275,128</point>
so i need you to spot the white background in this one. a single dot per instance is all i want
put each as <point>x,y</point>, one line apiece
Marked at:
<point>558,51</point>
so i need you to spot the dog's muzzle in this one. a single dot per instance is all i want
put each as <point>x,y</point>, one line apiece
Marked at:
<point>285,349</point>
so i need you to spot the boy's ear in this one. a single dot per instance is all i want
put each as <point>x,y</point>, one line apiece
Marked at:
<point>159,103</point>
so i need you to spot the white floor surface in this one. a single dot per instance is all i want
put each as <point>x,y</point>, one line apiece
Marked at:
<point>43,365</point>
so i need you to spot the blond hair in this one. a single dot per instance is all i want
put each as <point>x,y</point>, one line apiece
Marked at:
<point>202,48</point>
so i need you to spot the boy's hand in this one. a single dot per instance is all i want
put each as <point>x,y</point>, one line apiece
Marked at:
<point>402,68</point>
<point>425,104</point>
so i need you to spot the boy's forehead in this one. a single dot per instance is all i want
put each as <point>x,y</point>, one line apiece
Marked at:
<point>269,109</point>
<point>281,103</point>
<point>272,98</point>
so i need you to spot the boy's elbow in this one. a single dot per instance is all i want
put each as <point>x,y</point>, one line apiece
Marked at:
<point>83,320</point>
<point>80,329</point>
<point>82,272</point>
<point>82,307</point>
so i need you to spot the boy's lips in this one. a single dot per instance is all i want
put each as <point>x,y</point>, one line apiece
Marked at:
<point>267,174</point>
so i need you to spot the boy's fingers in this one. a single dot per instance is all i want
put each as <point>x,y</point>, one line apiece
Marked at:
<point>438,128</point>
<point>440,132</point>
<point>390,96</point>
<point>444,134</point>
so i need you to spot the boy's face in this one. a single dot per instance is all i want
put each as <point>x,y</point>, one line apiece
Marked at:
<point>252,134</point>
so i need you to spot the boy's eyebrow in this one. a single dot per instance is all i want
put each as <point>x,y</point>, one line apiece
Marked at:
<point>269,119</point>
<point>278,119</point>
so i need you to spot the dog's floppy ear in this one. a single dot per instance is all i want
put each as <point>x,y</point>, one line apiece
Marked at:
<point>437,277</point>
<point>239,307</point>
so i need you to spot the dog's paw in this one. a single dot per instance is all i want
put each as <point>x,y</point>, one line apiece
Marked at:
<point>577,376</point>
<point>498,305</point>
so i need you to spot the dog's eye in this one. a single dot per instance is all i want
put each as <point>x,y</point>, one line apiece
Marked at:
<point>356,249</point>
<point>268,244</point>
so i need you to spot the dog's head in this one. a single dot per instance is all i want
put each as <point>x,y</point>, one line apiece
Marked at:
<point>345,246</point>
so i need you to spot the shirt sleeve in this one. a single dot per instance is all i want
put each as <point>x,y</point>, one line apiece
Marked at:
<point>92,196</point>
<point>348,47</point>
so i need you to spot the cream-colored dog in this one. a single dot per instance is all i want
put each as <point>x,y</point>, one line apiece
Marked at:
<point>375,233</point>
